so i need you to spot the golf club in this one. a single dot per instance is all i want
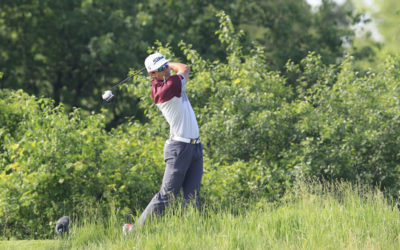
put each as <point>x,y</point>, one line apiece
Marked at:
<point>108,95</point>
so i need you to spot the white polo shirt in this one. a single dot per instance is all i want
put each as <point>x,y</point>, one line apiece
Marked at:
<point>171,99</point>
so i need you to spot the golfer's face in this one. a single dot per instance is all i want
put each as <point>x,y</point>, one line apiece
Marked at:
<point>162,73</point>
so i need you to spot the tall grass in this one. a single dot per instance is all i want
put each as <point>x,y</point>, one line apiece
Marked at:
<point>310,216</point>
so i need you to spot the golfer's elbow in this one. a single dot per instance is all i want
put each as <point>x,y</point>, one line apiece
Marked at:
<point>186,71</point>
<point>180,68</point>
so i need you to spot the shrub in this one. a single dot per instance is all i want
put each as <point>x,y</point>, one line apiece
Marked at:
<point>350,129</point>
<point>55,163</point>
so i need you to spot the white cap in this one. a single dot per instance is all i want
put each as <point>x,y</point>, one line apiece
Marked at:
<point>154,61</point>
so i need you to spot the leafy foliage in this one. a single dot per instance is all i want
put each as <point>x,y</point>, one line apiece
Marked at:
<point>53,163</point>
<point>73,50</point>
<point>351,129</point>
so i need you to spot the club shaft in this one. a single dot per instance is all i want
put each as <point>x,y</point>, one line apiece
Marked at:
<point>126,79</point>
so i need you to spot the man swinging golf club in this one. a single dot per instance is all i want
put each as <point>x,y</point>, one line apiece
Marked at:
<point>183,153</point>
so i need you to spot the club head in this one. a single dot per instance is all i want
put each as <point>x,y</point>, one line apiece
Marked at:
<point>108,96</point>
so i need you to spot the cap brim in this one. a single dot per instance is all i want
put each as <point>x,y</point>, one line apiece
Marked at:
<point>159,64</point>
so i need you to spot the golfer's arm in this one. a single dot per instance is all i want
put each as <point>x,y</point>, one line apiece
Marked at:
<point>180,68</point>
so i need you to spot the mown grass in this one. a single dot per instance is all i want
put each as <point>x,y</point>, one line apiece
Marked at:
<point>310,216</point>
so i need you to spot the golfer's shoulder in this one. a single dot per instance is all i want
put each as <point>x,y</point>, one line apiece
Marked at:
<point>176,78</point>
<point>180,79</point>
<point>172,87</point>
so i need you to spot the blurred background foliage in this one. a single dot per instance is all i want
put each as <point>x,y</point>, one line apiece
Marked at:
<point>71,51</point>
<point>281,90</point>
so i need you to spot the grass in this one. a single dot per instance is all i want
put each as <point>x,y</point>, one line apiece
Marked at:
<point>310,216</point>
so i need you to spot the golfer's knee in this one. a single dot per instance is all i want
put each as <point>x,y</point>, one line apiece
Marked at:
<point>167,195</point>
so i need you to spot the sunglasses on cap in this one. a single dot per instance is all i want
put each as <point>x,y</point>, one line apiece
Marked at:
<point>160,69</point>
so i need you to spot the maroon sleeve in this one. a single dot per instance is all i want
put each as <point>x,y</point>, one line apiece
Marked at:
<point>164,92</point>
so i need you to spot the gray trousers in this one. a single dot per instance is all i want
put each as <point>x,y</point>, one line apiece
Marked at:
<point>183,170</point>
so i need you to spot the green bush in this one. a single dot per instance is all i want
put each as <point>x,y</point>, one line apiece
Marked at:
<point>351,129</point>
<point>55,163</point>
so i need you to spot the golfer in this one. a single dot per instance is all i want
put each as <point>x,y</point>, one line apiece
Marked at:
<point>183,153</point>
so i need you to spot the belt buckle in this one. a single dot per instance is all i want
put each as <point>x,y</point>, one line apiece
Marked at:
<point>195,141</point>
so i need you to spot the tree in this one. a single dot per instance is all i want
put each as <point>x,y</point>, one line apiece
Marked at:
<point>387,15</point>
<point>68,50</point>
<point>73,50</point>
<point>381,37</point>
<point>290,29</point>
